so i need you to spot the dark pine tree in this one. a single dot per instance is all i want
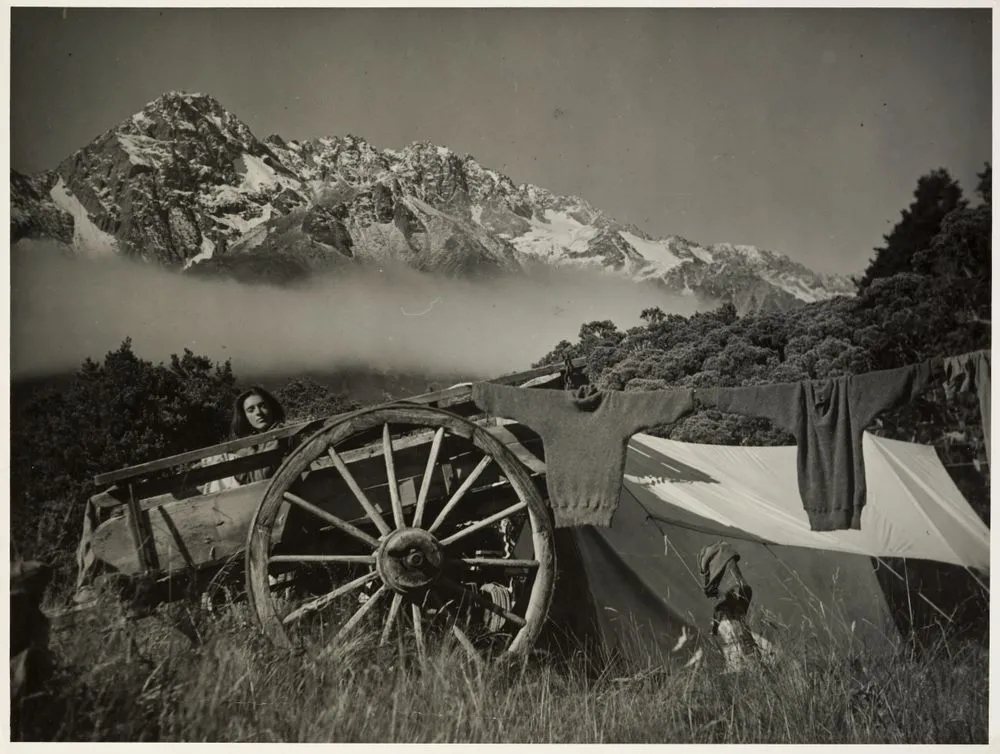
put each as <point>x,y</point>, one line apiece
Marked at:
<point>936,195</point>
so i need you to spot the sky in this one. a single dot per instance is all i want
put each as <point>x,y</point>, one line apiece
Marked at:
<point>802,131</point>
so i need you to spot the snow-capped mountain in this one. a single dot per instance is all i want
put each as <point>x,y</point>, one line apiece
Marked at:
<point>185,184</point>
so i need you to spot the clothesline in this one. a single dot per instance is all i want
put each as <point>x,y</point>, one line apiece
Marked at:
<point>585,431</point>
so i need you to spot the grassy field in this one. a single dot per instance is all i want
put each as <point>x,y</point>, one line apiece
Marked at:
<point>185,675</point>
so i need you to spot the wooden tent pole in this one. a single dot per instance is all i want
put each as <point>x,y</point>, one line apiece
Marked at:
<point>909,603</point>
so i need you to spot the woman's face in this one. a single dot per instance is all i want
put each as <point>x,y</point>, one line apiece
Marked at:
<point>257,411</point>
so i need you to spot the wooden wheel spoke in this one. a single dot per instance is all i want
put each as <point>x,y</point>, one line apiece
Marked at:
<point>361,613</point>
<point>502,562</point>
<point>425,483</point>
<point>460,492</point>
<point>359,493</point>
<point>390,472</point>
<point>332,519</point>
<point>484,523</point>
<point>359,559</point>
<point>390,622</point>
<point>484,602</point>
<point>323,601</point>
<point>418,632</point>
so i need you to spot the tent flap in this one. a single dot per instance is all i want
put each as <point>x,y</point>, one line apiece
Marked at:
<point>913,508</point>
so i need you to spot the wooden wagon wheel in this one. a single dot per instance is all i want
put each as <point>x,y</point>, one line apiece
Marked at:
<point>410,573</point>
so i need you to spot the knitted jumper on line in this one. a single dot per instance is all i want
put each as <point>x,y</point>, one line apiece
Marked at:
<point>585,435</point>
<point>827,418</point>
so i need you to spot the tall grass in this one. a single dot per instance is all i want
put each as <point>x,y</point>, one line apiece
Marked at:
<point>185,675</point>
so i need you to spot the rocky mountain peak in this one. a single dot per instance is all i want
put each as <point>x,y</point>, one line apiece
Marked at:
<point>184,183</point>
<point>176,115</point>
<point>182,104</point>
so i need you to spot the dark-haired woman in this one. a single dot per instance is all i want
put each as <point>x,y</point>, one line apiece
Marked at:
<point>256,411</point>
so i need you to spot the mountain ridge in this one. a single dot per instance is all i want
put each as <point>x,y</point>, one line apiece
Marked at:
<point>185,184</point>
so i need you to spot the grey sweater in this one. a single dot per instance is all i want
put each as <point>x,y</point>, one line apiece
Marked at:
<point>585,436</point>
<point>827,418</point>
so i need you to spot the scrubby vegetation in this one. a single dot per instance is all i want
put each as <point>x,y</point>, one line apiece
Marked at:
<point>215,681</point>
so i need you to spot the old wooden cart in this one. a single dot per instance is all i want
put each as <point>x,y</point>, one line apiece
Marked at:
<point>407,523</point>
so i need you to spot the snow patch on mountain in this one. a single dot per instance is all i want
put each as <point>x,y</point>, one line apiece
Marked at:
<point>207,250</point>
<point>657,252</point>
<point>142,150</point>
<point>142,120</point>
<point>245,225</point>
<point>257,234</point>
<point>555,238</point>
<point>222,196</point>
<point>258,175</point>
<point>134,152</point>
<point>86,236</point>
<point>703,254</point>
<point>797,287</point>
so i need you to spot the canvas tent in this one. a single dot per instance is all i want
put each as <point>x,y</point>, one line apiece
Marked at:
<point>913,507</point>
<point>639,579</point>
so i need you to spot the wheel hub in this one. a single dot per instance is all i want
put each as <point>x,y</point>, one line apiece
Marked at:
<point>409,560</point>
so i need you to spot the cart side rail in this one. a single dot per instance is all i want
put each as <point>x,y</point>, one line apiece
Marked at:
<point>137,478</point>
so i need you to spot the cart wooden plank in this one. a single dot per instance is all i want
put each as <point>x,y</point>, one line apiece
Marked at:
<point>365,464</point>
<point>452,398</point>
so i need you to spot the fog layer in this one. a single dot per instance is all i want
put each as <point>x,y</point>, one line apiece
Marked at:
<point>64,310</point>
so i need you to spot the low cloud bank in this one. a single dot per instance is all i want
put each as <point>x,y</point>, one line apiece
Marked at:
<point>64,310</point>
